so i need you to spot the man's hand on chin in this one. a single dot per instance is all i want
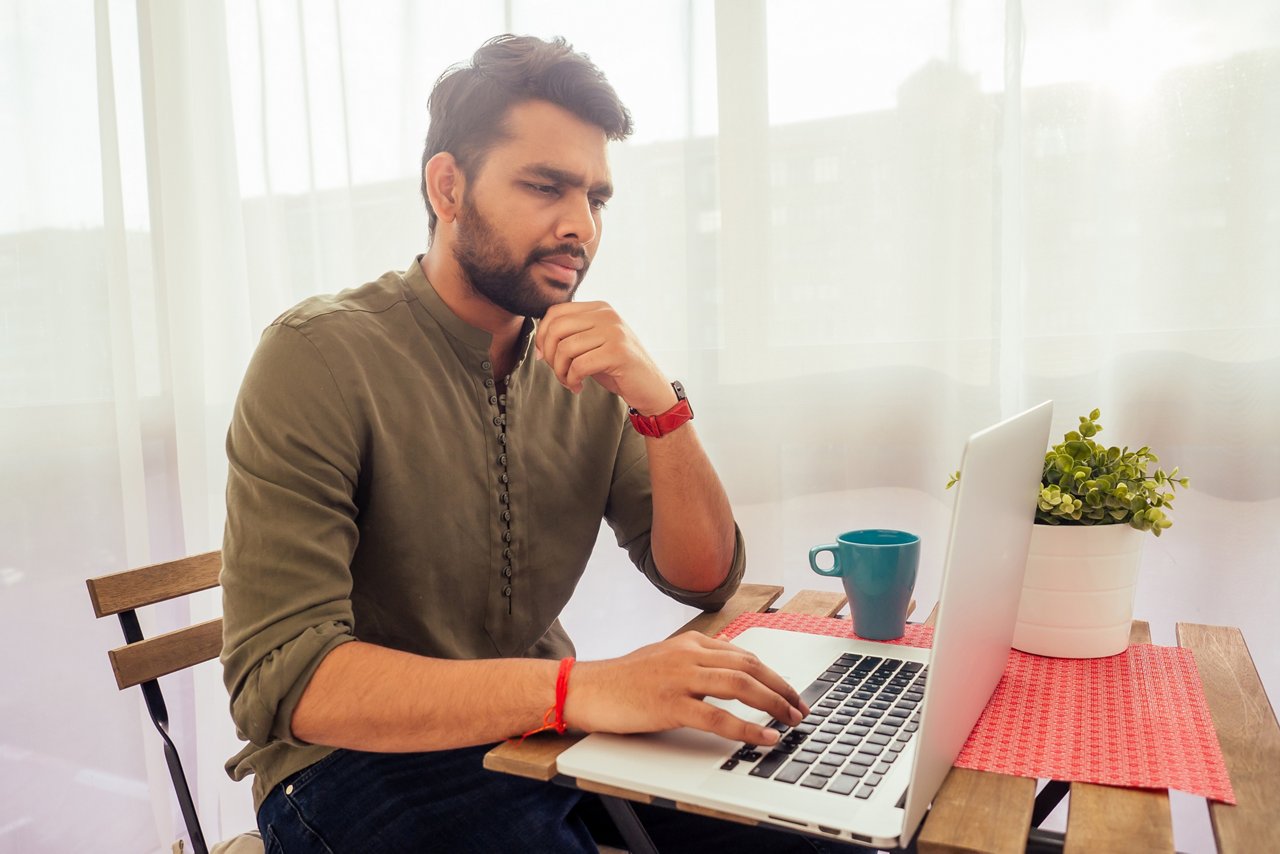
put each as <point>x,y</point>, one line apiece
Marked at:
<point>589,339</point>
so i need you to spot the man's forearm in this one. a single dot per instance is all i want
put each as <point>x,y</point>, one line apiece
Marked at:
<point>371,698</point>
<point>693,533</point>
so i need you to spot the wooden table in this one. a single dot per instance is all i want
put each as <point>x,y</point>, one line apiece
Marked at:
<point>976,811</point>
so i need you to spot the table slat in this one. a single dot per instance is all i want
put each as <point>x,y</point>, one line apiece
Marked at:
<point>815,602</point>
<point>1248,734</point>
<point>977,811</point>
<point>749,598</point>
<point>535,757</point>
<point>1099,815</point>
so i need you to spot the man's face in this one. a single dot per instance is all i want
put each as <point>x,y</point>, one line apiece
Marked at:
<point>529,222</point>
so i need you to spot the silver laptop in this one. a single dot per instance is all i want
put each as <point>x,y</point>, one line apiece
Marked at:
<point>888,721</point>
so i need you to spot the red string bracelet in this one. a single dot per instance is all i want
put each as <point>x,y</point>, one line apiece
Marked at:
<point>554,718</point>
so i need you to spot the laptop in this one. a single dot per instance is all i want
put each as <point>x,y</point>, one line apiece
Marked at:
<point>887,720</point>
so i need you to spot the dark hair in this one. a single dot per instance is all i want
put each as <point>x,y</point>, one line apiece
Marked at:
<point>469,103</point>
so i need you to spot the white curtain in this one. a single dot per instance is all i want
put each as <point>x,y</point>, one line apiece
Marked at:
<point>857,231</point>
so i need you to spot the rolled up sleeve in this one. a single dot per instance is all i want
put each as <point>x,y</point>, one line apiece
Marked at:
<point>293,456</point>
<point>630,515</point>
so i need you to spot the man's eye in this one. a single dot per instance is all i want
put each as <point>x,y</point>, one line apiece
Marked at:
<point>544,189</point>
<point>599,204</point>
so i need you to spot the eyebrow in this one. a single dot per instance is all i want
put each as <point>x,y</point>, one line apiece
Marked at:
<point>555,175</point>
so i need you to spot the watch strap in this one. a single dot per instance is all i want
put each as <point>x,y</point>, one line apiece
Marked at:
<point>657,426</point>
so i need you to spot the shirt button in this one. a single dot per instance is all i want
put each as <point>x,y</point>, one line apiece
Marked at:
<point>506,570</point>
<point>497,420</point>
<point>506,591</point>
<point>506,478</point>
<point>506,536</point>
<point>485,365</point>
<point>505,498</point>
<point>506,553</point>
<point>488,383</point>
<point>502,459</point>
<point>502,437</point>
<point>493,398</point>
<point>506,515</point>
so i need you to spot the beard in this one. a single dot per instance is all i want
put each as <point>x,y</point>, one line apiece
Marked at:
<point>486,264</point>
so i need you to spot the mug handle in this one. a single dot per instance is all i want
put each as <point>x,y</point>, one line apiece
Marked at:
<point>834,571</point>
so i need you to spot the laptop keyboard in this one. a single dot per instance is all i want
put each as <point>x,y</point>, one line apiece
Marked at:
<point>864,711</point>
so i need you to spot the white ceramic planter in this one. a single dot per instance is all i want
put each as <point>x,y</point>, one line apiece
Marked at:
<point>1077,597</point>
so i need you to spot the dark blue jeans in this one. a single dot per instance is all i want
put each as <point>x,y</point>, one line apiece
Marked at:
<point>383,803</point>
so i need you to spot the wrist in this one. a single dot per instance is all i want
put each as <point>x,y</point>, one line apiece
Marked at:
<point>659,400</point>
<point>658,424</point>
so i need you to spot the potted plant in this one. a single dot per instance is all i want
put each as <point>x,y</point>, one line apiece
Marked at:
<point>1095,503</point>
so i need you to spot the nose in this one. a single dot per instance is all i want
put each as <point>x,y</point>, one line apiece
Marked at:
<point>578,220</point>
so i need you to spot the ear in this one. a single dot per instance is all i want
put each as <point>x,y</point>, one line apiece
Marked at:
<point>445,185</point>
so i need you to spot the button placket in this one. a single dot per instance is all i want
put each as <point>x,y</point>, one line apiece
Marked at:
<point>497,399</point>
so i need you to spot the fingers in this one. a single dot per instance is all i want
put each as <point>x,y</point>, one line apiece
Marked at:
<point>738,685</point>
<point>567,319</point>
<point>726,655</point>
<point>705,716</point>
<point>578,357</point>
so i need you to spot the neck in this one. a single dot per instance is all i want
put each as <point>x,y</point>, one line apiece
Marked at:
<point>449,282</point>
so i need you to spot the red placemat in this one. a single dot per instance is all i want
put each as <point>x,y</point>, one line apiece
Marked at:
<point>1137,719</point>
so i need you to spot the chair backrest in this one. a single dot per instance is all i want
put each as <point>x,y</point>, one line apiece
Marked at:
<point>141,661</point>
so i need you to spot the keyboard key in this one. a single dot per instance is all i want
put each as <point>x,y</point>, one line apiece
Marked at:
<point>853,770</point>
<point>794,771</point>
<point>831,759</point>
<point>878,739</point>
<point>814,693</point>
<point>864,793</point>
<point>838,749</point>
<point>834,729</point>
<point>871,749</point>
<point>805,757</point>
<point>879,705</point>
<point>881,769</point>
<point>843,785</point>
<point>822,737</point>
<point>729,764</point>
<point>772,762</point>
<point>842,720</point>
<point>822,770</point>
<point>814,782</point>
<point>849,658</point>
<point>911,726</point>
<point>872,779</point>
<point>887,728</point>
<point>897,747</point>
<point>862,759</point>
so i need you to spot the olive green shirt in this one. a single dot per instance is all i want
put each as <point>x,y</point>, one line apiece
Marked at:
<point>378,489</point>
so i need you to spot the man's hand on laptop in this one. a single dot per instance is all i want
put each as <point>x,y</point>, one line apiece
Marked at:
<point>662,686</point>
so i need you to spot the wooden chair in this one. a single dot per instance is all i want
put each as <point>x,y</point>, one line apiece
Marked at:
<point>142,661</point>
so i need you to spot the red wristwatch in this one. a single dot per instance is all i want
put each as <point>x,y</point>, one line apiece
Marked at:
<point>663,423</point>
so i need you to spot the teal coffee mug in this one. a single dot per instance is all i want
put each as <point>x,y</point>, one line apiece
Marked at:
<point>878,569</point>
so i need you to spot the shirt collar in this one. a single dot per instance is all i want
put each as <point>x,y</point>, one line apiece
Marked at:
<point>470,336</point>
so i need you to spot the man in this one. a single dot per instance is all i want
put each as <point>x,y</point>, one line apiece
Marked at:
<point>418,471</point>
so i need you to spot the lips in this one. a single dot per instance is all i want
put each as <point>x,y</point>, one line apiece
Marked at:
<point>562,268</point>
